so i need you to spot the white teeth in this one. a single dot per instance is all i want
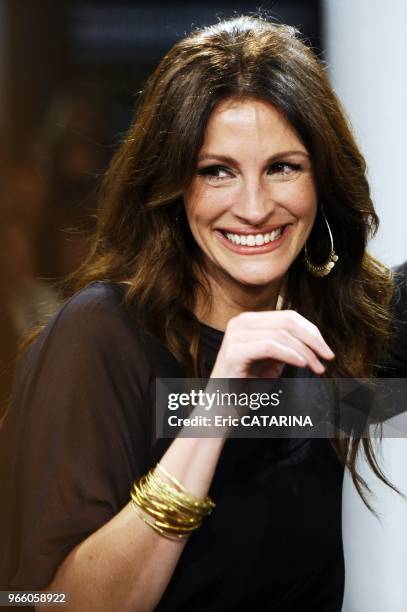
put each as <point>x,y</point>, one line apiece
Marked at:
<point>254,239</point>
<point>275,234</point>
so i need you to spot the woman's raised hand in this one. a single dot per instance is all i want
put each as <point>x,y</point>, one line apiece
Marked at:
<point>259,344</point>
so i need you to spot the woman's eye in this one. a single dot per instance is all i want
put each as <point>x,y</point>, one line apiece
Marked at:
<point>284,169</point>
<point>214,172</point>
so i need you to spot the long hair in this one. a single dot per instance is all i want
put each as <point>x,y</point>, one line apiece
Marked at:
<point>143,237</point>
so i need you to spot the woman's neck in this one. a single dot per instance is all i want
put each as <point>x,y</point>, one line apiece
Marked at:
<point>227,301</point>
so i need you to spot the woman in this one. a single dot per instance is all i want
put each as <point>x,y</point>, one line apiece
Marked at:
<point>238,186</point>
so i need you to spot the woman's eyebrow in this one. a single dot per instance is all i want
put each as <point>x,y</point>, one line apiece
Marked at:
<point>230,160</point>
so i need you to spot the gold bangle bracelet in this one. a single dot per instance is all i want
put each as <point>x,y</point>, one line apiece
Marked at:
<point>167,522</point>
<point>191,501</point>
<point>165,498</point>
<point>147,502</point>
<point>162,532</point>
<point>174,511</point>
<point>151,486</point>
<point>206,500</point>
<point>182,520</point>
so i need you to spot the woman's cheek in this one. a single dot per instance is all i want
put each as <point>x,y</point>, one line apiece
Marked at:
<point>300,200</point>
<point>207,206</point>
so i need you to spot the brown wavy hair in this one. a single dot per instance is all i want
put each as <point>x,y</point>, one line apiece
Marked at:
<point>143,237</point>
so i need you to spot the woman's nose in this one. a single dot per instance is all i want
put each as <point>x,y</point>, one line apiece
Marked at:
<point>254,203</point>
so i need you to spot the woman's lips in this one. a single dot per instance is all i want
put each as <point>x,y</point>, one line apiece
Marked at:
<point>252,250</point>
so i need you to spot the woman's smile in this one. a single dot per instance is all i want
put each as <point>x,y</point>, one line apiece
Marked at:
<point>253,242</point>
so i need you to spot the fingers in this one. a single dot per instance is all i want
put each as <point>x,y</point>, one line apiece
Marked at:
<point>282,337</point>
<point>271,349</point>
<point>278,336</point>
<point>288,320</point>
<point>308,333</point>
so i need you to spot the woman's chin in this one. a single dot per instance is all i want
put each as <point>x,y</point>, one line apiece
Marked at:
<point>257,280</point>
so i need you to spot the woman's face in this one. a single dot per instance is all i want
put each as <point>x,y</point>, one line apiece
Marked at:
<point>252,202</point>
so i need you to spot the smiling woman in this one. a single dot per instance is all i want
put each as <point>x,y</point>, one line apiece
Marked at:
<point>215,255</point>
<point>253,195</point>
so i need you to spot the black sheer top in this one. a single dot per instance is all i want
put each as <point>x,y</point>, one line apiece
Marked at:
<point>79,431</point>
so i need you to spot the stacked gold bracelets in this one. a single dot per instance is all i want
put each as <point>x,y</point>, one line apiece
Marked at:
<point>175,511</point>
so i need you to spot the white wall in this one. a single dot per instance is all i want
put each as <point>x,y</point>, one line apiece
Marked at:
<point>376,549</point>
<point>366,43</point>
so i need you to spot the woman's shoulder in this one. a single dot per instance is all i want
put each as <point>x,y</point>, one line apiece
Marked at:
<point>98,299</point>
<point>99,307</point>
<point>96,323</point>
<point>93,315</point>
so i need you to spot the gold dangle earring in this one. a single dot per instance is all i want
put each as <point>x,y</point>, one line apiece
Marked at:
<point>325,268</point>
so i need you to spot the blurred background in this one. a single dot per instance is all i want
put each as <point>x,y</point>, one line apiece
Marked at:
<point>70,71</point>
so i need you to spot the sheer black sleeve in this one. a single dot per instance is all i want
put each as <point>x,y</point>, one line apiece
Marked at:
<point>77,434</point>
